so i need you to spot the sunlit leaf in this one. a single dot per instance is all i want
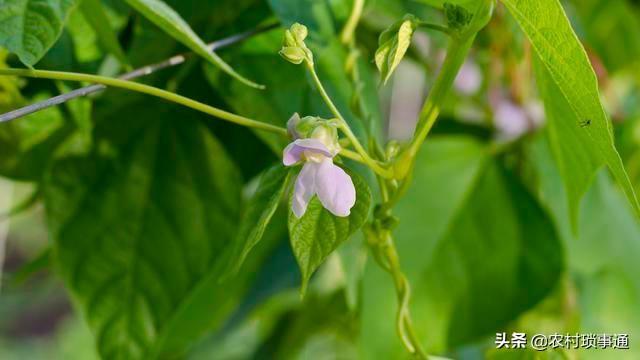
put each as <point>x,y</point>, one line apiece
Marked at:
<point>393,44</point>
<point>559,49</point>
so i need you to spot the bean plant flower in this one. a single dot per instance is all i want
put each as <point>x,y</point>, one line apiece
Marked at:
<point>315,143</point>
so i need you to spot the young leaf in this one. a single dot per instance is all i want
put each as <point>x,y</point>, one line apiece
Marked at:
<point>318,232</point>
<point>159,13</point>
<point>258,213</point>
<point>30,27</point>
<point>95,14</point>
<point>550,33</point>
<point>393,44</point>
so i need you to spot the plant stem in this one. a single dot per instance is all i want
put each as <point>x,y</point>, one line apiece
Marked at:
<point>149,90</point>
<point>372,163</point>
<point>456,55</point>
<point>143,71</point>
<point>437,27</point>
<point>349,29</point>
<point>459,46</point>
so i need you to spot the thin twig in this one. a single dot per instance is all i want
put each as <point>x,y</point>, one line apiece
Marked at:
<point>143,71</point>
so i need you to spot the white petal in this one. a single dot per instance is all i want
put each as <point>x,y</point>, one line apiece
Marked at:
<point>304,189</point>
<point>335,188</point>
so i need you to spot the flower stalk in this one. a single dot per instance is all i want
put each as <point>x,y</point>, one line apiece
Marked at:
<point>346,130</point>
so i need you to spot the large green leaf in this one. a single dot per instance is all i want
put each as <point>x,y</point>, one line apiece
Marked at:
<point>170,21</point>
<point>561,52</point>
<point>477,248</point>
<point>577,160</point>
<point>318,233</point>
<point>30,27</point>
<point>141,229</point>
<point>258,212</point>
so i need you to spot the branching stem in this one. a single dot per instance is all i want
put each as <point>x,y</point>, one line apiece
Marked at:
<point>143,71</point>
<point>372,163</point>
<point>149,90</point>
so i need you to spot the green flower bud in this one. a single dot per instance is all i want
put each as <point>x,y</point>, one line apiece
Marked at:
<point>327,133</point>
<point>292,54</point>
<point>294,49</point>
<point>299,32</point>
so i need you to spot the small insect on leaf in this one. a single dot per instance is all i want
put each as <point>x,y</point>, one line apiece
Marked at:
<point>585,123</point>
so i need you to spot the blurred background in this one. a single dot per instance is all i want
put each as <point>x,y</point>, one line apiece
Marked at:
<point>586,281</point>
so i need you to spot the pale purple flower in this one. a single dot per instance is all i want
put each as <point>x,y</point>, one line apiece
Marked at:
<point>319,176</point>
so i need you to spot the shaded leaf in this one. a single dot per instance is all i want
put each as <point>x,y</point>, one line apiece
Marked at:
<point>318,233</point>
<point>30,27</point>
<point>170,21</point>
<point>476,246</point>
<point>140,230</point>
<point>258,213</point>
<point>94,13</point>
<point>559,49</point>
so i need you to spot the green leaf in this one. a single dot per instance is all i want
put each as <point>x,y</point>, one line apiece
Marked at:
<point>170,21</point>
<point>577,159</point>
<point>257,214</point>
<point>30,27</point>
<point>94,13</point>
<point>476,246</point>
<point>28,145</point>
<point>560,50</point>
<point>142,227</point>
<point>318,233</point>
<point>393,45</point>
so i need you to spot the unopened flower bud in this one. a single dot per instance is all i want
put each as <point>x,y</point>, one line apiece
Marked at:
<point>294,55</point>
<point>294,49</point>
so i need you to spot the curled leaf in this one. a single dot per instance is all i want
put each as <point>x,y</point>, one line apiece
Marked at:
<point>393,45</point>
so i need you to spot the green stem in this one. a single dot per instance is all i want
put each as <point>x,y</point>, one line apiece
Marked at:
<point>149,90</point>
<point>456,55</point>
<point>372,163</point>
<point>350,27</point>
<point>432,26</point>
<point>459,46</point>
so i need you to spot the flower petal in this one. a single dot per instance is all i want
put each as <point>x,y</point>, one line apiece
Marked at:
<point>305,188</point>
<point>291,126</point>
<point>335,188</point>
<point>293,152</point>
